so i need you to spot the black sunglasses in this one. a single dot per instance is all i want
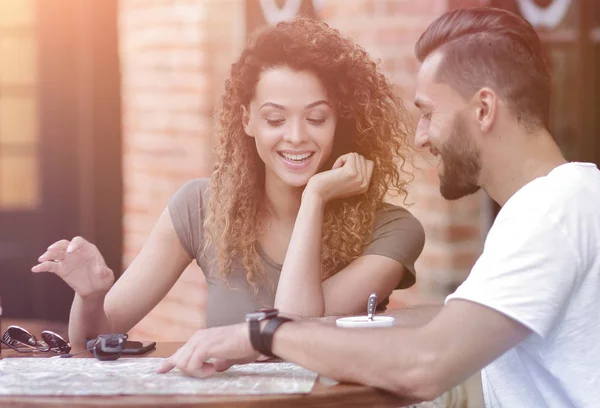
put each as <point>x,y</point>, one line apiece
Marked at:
<point>21,340</point>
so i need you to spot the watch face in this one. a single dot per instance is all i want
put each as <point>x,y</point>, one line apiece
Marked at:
<point>254,316</point>
<point>262,314</point>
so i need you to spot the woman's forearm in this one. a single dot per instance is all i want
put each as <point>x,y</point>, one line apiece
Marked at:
<point>299,291</point>
<point>87,320</point>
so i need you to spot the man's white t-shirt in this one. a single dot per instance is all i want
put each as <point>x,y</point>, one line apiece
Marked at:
<point>541,267</point>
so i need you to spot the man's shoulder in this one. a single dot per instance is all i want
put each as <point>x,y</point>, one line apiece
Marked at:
<point>581,179</point>
<point>569,190</point>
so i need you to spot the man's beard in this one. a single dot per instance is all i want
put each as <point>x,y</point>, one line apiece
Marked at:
<point>461,161</point>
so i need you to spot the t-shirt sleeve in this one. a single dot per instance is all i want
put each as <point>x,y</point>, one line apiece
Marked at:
<point>400,236</point>
<point>527,271</point>
<point>185,209</point>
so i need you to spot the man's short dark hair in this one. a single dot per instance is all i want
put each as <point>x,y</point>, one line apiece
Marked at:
<point>495,48</point>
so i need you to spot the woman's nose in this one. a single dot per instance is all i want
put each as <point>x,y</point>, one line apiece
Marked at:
<point>296,133</point>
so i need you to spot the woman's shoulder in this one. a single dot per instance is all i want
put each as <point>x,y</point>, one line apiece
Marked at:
<point>390,213</point>
<point>398,235</point>
<point>196,185</point>
<point>190,197</point>
<point>397,223</point>
<point>193,191</point>
<point>186,209</point>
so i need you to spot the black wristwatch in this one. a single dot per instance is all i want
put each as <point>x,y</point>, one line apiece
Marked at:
<point>263,342</point>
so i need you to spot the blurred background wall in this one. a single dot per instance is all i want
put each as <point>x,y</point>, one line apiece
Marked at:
<point>105,111</point>
<point>60,143</point>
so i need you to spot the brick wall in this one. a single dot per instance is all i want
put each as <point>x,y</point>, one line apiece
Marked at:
<point>175,56</point>
<point>166,136</point>
<point>388,30</point>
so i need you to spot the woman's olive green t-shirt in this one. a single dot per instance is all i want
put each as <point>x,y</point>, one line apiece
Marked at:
<point>397,234</point>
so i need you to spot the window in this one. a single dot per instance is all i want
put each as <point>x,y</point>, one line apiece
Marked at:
<point>19,135</point>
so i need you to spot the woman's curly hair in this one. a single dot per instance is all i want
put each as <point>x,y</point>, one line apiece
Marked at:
<point>372,121</point>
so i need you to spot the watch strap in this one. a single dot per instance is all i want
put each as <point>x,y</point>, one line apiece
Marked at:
<point>255,337</point>
<point>268,332</point>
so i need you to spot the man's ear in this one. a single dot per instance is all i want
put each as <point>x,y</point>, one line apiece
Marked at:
<point>246,121</point>
<point>486,108</point>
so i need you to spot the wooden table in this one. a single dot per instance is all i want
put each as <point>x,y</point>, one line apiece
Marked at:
<point>341,395</point>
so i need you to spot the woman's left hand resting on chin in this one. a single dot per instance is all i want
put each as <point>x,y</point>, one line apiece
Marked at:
<point>212,350</point>
<point>349,176</point>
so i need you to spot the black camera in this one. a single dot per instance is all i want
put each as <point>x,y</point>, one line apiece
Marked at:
<point>107,347</point>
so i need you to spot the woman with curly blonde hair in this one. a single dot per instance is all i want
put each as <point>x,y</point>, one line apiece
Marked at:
<point>310,139</point>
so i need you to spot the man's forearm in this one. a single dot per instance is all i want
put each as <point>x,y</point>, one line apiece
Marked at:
<point>87,320</point>
<point>415,316</point>
<point>399,363</point>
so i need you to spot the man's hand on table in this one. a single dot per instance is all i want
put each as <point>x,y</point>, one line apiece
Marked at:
<point>212,350</point>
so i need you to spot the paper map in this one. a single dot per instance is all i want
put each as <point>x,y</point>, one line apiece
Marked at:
<point>135,376</point>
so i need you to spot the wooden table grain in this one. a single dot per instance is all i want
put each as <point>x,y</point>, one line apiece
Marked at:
<point>322,395</point>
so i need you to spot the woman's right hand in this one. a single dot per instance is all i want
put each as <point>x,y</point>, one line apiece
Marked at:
<point>80,264</point>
